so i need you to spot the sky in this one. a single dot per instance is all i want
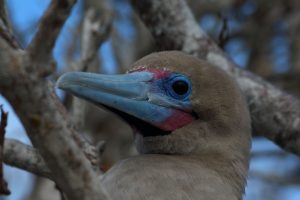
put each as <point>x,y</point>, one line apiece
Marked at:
<point>26,13</point>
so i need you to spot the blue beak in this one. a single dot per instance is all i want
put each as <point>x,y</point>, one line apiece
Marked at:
<point>129,93</point>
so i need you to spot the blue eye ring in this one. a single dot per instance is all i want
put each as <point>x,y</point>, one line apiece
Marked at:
<point>179,87</point>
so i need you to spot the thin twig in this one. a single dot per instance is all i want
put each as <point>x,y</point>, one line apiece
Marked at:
<point>274,178</point>
<point>5,27</point>
<point>224,33</point>
<point>40,49</point>
<point>3,123</point>
<point>96,29</point>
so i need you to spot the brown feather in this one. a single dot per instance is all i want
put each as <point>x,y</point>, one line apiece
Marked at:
<point>207,159</point>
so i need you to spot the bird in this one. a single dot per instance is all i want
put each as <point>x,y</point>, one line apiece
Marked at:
<point>190,122</point>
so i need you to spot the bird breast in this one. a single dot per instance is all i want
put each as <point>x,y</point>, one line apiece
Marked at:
<point>165,177</point>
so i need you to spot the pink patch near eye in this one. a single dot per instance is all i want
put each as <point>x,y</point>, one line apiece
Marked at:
<point>177,120</point>
<point>158,73</point>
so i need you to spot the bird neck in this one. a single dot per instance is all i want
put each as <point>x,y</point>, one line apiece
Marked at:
<point>232,168</point>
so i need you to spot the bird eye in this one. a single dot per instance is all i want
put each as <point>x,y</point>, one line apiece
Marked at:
<point>180,87</point>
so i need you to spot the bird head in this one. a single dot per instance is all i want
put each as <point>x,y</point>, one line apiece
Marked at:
<point>176,103</point>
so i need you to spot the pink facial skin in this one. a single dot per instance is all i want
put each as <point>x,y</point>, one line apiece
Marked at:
<point>158,73</point>
<point>177,118</point>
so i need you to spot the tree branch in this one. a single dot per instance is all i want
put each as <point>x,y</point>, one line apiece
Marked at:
<point>273,178</point>
<point>51,132</point>
<point>25,157</point>
<point>55,22</point>
<point>289,82</point>
<point>41,112</point>
<point>275,114</point>
<point>3,123</point>
<point>40,48</point>
<point>5,27</point>
<point>96,29</point>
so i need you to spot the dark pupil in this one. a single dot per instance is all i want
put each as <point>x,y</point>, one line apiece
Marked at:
<point>180,87</point>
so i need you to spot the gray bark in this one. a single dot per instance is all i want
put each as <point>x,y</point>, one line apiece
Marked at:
<point>25,157</point>
<point>275,114</point>
<point>23,83</point>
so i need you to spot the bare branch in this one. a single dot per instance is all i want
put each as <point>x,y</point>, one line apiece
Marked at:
<point>289,82</point>
<point>42,114</point>
<point>3,15</point>
<point>96,28</point>
<point>53,20</point>
<point>3,123</point>
<point>8,44</point>
<point>273,178</point>
<point>5,27</point>
<point>275,114</point>
<point>268,154</point>
<point>25,157</point>
<point>7,55</point>
<point>51,133</point>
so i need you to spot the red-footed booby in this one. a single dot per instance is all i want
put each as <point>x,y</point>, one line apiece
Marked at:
<point>191,127</point>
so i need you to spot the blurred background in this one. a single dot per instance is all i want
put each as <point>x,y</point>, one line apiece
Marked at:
<point>260,36</point>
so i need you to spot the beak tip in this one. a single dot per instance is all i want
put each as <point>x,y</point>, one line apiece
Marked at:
<point>65,80</point>
<point>60,83</point>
